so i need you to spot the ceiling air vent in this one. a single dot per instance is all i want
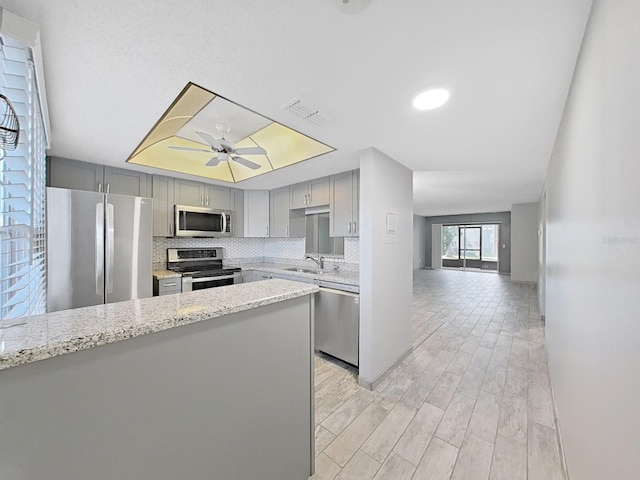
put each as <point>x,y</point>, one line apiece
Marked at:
<point>306,110</point>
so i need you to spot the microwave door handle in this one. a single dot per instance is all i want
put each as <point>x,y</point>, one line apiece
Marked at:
<point>224,223</point>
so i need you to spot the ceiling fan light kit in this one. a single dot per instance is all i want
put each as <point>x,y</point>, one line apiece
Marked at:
<point>183,140</point>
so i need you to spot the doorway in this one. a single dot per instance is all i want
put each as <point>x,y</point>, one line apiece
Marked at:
<point>471,247</point>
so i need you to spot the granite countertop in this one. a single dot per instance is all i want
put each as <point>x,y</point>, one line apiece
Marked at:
<point>347,278</point>
<point>164,274</point>
<point>52,334</point>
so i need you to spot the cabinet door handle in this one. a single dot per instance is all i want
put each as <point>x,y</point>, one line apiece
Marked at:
<point>349,227</point>
<point>99,187</point>
<point>202,200</point>
<point>170,227</point>
<point>287,230</point>
<point>267,231</point>
<point>108,190</point>
<point>354,227</point>
<point>170,284</point>
<point>207,200</point>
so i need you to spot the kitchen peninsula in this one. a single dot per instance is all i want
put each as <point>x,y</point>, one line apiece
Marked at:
<point>210,384</point>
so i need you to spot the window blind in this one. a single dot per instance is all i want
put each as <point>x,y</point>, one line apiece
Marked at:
<point>22,191</point>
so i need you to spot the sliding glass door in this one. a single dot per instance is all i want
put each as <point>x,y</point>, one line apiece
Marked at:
<point>470,246</point>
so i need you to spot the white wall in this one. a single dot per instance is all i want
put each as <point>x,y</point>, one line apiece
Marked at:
<point>593,252</point>
<point>386,187</point>
<point>524,242</point>
<point>419,242</point>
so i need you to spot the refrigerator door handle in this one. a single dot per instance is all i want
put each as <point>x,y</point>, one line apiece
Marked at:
<point>99,257</point>
<point>110,247</point>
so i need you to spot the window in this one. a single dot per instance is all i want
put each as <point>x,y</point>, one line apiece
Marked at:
<point>22,189</point>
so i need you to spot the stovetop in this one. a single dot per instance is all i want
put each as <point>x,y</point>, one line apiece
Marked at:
<point>198,262</point>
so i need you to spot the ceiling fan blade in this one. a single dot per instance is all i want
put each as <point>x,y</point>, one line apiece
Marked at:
<point>250,151</point>
<point>247,163</point>
<point>190,149</point>
<point>210,139</point>
<point>213,162</point>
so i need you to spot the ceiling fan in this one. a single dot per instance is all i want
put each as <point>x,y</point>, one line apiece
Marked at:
<point>224,149</point>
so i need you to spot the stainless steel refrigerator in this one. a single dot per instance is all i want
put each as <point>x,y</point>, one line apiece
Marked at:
<point>98,248</point>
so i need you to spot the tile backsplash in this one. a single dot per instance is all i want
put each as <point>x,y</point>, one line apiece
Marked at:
<point>253,249</point>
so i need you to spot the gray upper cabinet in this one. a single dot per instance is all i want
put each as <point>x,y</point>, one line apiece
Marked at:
<point>344,204</point>
<point>279,212</point>
<point>313,193</point>
<point>76,175</point>
<point>127,182</point>
<point>197,194</point>
<point>162,206</point>
<point>187,192</point>
<point>284,222</point>
<point>66,173</point>
<point>218,197</point>
<point>256,213</point>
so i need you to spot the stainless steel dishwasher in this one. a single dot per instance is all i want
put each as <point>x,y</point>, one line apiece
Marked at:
<point>337,324</point>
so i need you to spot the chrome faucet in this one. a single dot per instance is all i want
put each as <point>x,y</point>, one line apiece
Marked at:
<point>319,261</point>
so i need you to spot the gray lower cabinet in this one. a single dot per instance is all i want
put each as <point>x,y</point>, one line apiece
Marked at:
<point>167,286</point>
<point>76,175</point>
<point>249,276</point>
<point>225,398</point>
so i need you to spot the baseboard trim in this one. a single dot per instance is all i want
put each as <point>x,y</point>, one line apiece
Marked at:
<point>371,385</point>
<point>521,282</point>
<point>563,458</point>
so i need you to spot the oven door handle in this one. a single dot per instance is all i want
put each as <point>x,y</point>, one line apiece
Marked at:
<point>208,279</point>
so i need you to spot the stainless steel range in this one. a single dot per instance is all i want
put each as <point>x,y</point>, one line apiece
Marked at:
<point>201,268</point>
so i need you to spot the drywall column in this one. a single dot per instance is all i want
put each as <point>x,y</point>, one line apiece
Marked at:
<point>436,246</point>
<point>593,252</point>
<point>386,246</point>
<point>524,242</point>
<point>419,242</point>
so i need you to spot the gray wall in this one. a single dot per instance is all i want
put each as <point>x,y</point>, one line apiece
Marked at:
<point>386,273</point>
<point>420,252</point>
<point>593,252</point>
<point>504,218</point>
<point>524,242</point>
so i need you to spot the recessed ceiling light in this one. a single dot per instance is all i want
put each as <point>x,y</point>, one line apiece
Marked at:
<point>430,99</point>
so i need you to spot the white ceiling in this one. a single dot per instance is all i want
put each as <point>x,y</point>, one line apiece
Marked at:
<point>113,67</point>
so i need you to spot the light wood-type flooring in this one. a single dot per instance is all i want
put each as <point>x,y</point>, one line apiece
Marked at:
<point>472,401</point>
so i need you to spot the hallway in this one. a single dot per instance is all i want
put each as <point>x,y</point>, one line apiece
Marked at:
<point>472,401</point>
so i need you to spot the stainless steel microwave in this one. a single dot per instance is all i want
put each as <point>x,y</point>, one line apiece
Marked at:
<point>201,222</point>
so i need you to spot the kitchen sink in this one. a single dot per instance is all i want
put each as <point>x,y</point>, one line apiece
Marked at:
<point>303,270</point>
